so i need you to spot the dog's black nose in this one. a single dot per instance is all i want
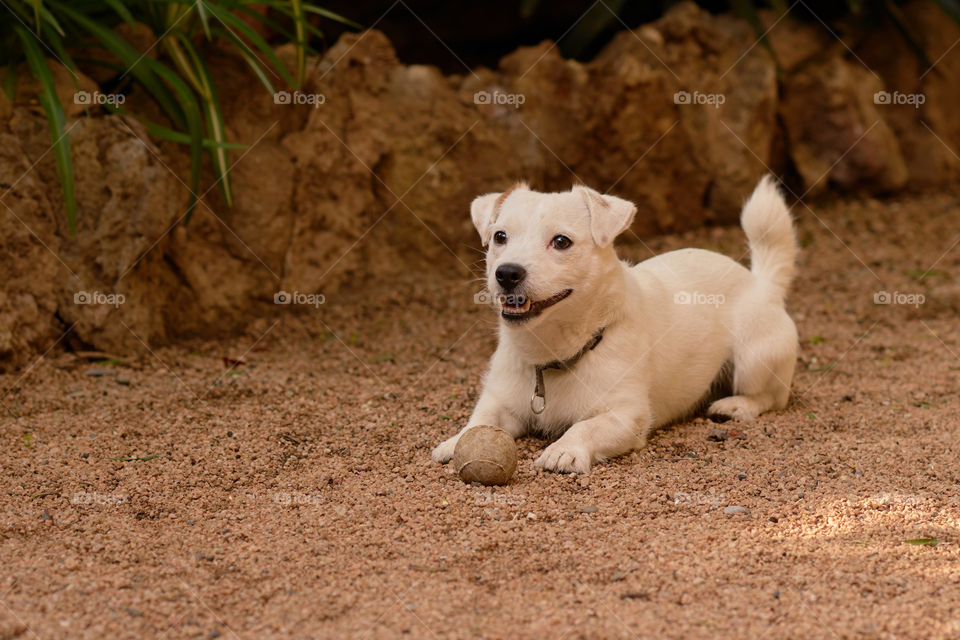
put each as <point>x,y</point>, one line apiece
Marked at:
<point>510,275</point>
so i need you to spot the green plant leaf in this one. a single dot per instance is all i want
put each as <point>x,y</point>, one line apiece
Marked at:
<point>173,43</point>
<point>56,120</point>
<point>121,10</point>
<point>299,22</point>
<point>212,116</point>
<point>55,42</point>
<point>164,85</point>
<point>36,14</point>
<point>136,64</point>
<point>159,131</point>
<point>180,81</point>
<point>254,63</point>
<point>236,27</point>
<point>194,119</point>
<point>330,15</point>
<point>9,81</point>
<point>276,26</point>
<point>924,542</point>
<point>204,18</point>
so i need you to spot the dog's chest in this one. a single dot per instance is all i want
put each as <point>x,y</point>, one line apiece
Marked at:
<point>569,396</point>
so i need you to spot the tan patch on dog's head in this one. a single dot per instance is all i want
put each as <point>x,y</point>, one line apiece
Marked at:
<point>503,196</point>
<point>486,208</point>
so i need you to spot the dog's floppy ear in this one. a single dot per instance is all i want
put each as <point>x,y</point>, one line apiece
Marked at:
<point>485,209</point>
<point>483,212</point>
<point>609,215</point>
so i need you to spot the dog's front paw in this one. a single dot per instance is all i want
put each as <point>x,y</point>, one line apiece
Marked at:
<point>565,457</point>
<point>733,408</point>
<point>443,452</point>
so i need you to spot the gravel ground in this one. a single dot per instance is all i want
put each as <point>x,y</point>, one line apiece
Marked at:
<point>293,494</point>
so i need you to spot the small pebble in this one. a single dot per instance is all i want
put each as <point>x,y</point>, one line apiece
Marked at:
<point>742,476</point>
<point>123,379</point>
<point>717,435</point>
<point>98,373</point>
<point>734,510</point>
<point>590,508</point>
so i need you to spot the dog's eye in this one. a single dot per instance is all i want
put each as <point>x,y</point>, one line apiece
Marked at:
<point>561,242</point>
<point>500,237</point>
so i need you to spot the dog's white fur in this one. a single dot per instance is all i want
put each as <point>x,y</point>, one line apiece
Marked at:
<point>658,358</point>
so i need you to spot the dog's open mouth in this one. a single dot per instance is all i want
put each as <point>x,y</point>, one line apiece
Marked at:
<point>517,308</point>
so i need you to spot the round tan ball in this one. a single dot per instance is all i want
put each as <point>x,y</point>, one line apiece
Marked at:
<point>485,454</point>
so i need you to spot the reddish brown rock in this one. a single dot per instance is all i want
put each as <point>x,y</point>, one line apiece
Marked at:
<point>836,134</point>
<point>928,132</point>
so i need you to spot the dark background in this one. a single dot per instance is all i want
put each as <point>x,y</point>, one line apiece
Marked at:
<point>480,33</point>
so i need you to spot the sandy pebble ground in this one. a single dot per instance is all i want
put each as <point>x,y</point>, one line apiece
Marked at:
<point>293,495</point>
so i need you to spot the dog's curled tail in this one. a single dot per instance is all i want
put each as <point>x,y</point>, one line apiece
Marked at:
<point>773,245</point>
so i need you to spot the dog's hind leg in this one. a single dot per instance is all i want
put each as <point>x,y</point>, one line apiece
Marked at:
<point>764,357</point>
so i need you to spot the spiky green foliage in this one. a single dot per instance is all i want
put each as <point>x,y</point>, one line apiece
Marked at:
<point>178,79</point>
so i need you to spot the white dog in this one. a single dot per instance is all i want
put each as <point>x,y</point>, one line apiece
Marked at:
<point>599,353</point>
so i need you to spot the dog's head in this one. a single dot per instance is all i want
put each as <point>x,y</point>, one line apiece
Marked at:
<point>545,249</point>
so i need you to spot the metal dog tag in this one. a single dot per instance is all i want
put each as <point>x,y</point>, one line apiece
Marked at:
<point>538,401</point>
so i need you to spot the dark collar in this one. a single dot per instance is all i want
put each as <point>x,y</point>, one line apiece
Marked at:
<point>539,401</point>
<point>569,362</point>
